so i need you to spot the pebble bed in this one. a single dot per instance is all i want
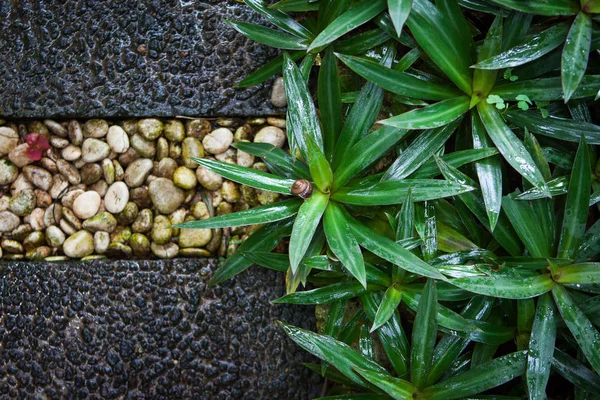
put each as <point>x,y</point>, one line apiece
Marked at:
<point>113,188</point>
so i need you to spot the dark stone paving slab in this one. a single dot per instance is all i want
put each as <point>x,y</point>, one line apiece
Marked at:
<point>102,58</point>
<point>147,329</point>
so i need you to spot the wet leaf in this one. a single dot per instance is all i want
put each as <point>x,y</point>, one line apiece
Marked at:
<point>541,347</point>
<point>576,53</point>
<point>307,220</point>
<point>430,117</point>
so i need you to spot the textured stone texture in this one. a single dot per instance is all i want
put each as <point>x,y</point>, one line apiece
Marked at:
<point>147,329</point>
<point>81,58</point>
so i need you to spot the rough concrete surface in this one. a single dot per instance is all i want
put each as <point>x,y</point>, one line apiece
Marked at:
<point>77,58</point>
<point>147,329</point>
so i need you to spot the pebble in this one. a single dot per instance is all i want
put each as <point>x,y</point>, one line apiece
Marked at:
<point>161,233</point>
<point>140,245</point>
<point>8,221</point>
<point>168,250</point>
<point>166,168</point>
<point>75,133</point>
<point>144,148</point>
<point>58,142</point>
<point>8,172</point>
<point>71,153</point>
<point>55,128</point>
<point>197,128</point>
<point>137,172</point>
<point>150,128</point>
<point>116,197</point>
<point>174,130</point>
<point>218,141</point>
<point>143,222</point>
<point>185,178</point>
<point>117,139</point>
<point>278,98</point>
<point>94,150</point>
<point>103,221</point>
<point>95,128</point>
<point>194,237</point>
<point>23,202</point>
<point>208,179</point>
<point>191,148</point>
<point>87,205</point>
<point>165,204</point>
<point>18,155</point>
<point>9,139</point>
<point>69,171</point>
<point>271,135</point>
<point>101,242</point>
<point>79,244</point>
<point>91,173</point>
<point>38,176</point>
<point>278,122</point>
<point>54,236</point>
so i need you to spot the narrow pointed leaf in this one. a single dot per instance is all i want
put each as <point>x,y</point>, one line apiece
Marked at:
<point>399,10</point>
<point>330,101</point>
<point>271,68</point>
<point>534,48</point>
<point>483,80</point>
<point>582,329</point>
<point>576,53</point>
<point>451,346</point>
<point>248,176</point>
<point>506,287</point>
<point>259,215</point>
<point>392,336</point>
<point>575,372</point>
<point>424,335</point>
<point>342,243</point>
<point>335,292</point>
<point>577,204</point>
<point>302,119</point>
<point>479,379</point>
<point>330,10</point>
<point>433,116</point>
<point>361,43</point>
<point>270,37</point>
<point>363,114</point>
<point>419,151</point>
<point>509,145</point>
<point>336,353</point>
<point>515,28</point>
<point>455,159</point>
<point>319,166</point>
<point>351,19</point>
<point>395,192</point>
<point>489,172</point>
<point>442,43</point>
<point>280,19</point>
<point>524,218</point>
<point>295,5</point>
<point>387,307</point>
<point>399,82</point>
<point>550,8</point>
<point>579,273</point>
<point>546,89</point>
<point>390,250</point>
<point>555,127</point>
<point>541,347</point>
<point>366,152</point>
<point>273,155</point>
<point>591,243</point>
<point>264,239</point>
<point>396,388</point>
<point>463,29</point>
<point>556,186</point>
<point>274,261</point>
<point>406,218</point>
<point>306,223</point>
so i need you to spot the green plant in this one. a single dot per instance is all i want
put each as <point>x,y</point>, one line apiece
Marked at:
<point>330,183</point>
<point>492,273</point>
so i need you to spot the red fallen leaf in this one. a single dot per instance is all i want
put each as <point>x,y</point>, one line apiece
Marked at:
<point>33,153</point>
<point>36,145</point>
